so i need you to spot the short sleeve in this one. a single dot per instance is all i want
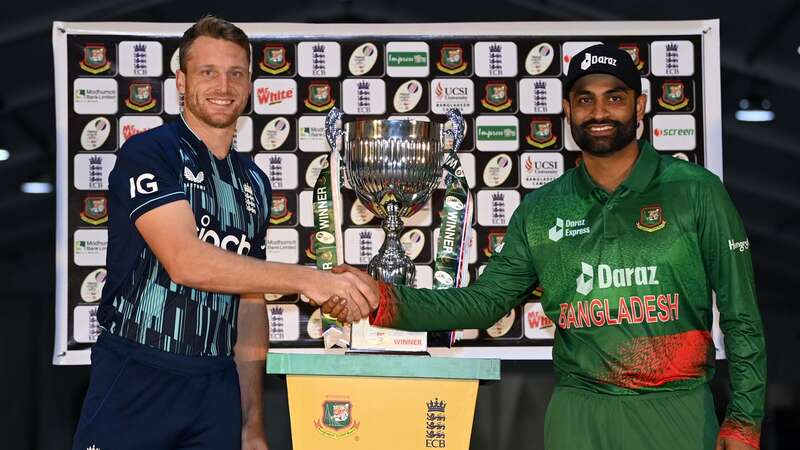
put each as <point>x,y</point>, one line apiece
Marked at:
<point>145,176</point>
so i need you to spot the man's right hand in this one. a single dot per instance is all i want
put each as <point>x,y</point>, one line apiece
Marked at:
<point>358,289</point>
<point>343,308</point>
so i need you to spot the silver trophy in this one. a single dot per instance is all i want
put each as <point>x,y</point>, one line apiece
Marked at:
<point>393,166</point>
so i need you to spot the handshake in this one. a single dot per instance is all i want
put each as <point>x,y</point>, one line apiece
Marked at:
<point>345,293</point>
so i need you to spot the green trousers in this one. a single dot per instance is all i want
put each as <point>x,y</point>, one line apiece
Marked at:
<point>577,419</point>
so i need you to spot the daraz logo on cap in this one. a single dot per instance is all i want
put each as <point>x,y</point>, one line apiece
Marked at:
<point>590,59</point>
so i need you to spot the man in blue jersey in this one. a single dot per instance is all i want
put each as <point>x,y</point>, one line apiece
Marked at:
<point>186,269</point>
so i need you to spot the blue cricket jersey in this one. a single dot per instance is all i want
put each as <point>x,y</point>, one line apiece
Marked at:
<point>231,201</point>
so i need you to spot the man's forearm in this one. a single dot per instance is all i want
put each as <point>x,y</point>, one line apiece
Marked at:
<point>203,266</point>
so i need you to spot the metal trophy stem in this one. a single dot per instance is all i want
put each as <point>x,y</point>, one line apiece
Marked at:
<point>393,166</point>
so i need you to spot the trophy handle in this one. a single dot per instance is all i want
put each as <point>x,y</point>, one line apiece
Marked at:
<point>457,131</point>
<point>332,131</point>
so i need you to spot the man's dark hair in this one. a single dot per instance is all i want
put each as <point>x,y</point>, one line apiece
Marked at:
<point>216,28</point>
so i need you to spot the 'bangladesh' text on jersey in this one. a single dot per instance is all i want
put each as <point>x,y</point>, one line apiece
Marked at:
<point>230,199</point>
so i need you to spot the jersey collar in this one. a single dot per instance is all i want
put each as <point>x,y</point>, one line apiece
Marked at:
<point>189,135</point>
<point>643,171</point>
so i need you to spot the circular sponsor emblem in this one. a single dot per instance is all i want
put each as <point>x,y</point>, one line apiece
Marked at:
<point>92,286</point>
<point>314,167</point>
<point>443,278</point>
<point>503,326</point>
<point>454,203</point>
<point>272,297</point>
<point>539,58</point>
<point>175,61</point>
<point>407,96</point>
<point>680,155</point>
<point>314,325</point>
<point>325,237</point>
<point>497,170</point>
<point>363,59</point>
<point>275,133</point>
<point>413,242</point>
<point>359,213</point>
<point>95,133</point>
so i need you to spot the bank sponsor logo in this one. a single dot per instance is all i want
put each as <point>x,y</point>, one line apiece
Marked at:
<point>89,247</point>
<point>283,245</point>
<point>94,95</point>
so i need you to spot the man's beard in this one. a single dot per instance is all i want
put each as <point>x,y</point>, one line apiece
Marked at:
<point>193,103</point>
<point>626,132</point>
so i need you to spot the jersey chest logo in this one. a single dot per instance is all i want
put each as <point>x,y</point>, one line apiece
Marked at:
<point>195,180</point>
<point>651,218</point>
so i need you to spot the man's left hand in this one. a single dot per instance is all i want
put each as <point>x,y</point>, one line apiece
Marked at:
<point>731,444</point>
<point>253,437</point>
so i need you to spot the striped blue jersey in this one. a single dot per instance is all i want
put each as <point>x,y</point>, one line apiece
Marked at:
<point>231,200</point>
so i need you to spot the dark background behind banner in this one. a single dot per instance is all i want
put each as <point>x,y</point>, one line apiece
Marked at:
<point>759,54</point>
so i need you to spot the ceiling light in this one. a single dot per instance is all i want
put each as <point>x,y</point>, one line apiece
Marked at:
<point>37,187</point>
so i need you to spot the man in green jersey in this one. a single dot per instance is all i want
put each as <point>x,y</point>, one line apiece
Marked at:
<point>627,248</point>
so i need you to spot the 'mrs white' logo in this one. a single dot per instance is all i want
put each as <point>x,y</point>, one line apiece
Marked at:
<point>143,184</point>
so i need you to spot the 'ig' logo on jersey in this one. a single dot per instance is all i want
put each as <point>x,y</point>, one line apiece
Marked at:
<point>143,184</point>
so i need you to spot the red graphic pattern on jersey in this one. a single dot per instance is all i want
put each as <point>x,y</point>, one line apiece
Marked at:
<point>386,313</point>
<point>652,361</point>
<point>741,431</point>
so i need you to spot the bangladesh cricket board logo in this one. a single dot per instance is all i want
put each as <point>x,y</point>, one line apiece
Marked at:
<point>451,60</point>
<point>274,60</point>
<point>320,97</point>
<point>496,97</point>
<point>651,218</point>
<point>140,97</point>
<point>337,419</point>
<point>541,134</point>
<point>673,95</point>
<point>95,59</point>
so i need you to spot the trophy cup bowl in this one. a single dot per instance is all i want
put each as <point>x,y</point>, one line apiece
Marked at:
<point>393,166</point>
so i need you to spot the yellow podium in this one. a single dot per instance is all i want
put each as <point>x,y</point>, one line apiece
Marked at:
<point>381,402</point>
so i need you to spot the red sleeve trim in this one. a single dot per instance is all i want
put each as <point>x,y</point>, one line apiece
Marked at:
<point>742,432</point>
<point>386,312</point>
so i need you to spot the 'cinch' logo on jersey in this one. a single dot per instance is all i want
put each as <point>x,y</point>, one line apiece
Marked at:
<point>228,242</point>
<point>610,277</point>
<point>568,228</point>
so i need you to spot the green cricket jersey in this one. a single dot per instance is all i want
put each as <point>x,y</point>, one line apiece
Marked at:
<point>627,278</point>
